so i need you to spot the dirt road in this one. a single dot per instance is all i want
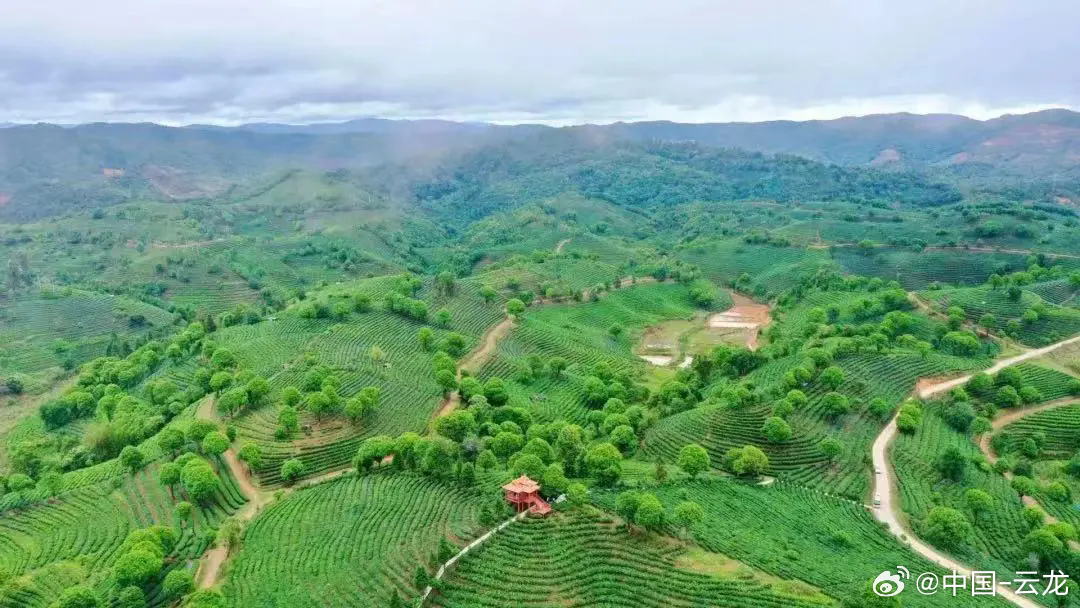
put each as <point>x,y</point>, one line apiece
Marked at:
<point>209,571</point>
<point>562,243</point>
<point>930,391</point>
<point>888,513</point>
<point>480,355</point>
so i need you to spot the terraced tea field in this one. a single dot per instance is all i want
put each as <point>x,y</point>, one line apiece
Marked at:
<point>349,542</point>
<point>583,560</point>
<point>795,533</point>
<point>1057,323</point>
<point>87,525</point>
<point>998,537</point>
<point>42,334</point>
<point>1060,426</point>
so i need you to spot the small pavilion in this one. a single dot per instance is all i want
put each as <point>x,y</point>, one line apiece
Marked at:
<point>522,493</point>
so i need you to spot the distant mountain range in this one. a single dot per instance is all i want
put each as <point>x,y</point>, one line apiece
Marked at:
<point>1036,141</point>
<point>46,168</point>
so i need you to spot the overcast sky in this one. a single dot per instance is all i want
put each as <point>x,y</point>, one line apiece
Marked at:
<point>552,61</point>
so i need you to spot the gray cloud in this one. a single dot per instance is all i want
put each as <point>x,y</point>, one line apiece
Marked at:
<point>229,61</point>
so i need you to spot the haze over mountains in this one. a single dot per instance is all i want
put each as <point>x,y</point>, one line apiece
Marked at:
<point>104,163</point>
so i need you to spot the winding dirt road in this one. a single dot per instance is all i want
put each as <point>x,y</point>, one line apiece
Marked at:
<point>941,387</point>
<point>888,511</point>
<point>210,565</point>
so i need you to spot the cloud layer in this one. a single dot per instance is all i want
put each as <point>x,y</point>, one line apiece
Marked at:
<point>559,62</point>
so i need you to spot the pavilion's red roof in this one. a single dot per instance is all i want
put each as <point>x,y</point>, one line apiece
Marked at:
<point>522,485</point>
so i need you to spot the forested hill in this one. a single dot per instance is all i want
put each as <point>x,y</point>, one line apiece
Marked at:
<point>633,174</point>
<point>49,170</point>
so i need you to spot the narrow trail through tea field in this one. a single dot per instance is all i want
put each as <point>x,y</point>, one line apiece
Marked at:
<point>494,334</point>
<point>209,571</point>
<point>888,511</point>
<point>1009,418</point>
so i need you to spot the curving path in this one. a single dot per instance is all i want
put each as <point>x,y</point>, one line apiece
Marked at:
<point>490,340</point>
<point>210,565</point>
<point>888,511</point>
<point>941,387</point>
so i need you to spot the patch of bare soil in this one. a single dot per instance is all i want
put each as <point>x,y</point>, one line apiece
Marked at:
<point>746,316</point>
<point>929,381</point>
<point>182,185</point>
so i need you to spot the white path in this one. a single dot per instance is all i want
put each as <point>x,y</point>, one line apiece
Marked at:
<point>888,511</point>
<point>930,391</point>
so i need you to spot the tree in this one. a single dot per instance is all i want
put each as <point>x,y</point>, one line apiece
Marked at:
<point>251,453</point>
<point>495,392</point>
<point>505,443</point>
<point>487,293</point>
<point>170,440</point>
<point>132,458</point>
<point>130,597</point>
<point>626,505</point>
<point>290,396</point>
<point>650,512</point>
<point>868,598</point>
<point>178,583</point>
<point>426,338</point>
<point>978,502</point>
<point>1007,396</point>
<point>836,403</point>
<point>946,527</point>
<point>529,465</point>
<point>199,428</point>
<point>1024,486</point>
<point>456,425</point>
<point>603,461</point>
<point>198,479</point>
<point>214,444</point>
<point>576,494</point>
<point>616,330</point>
<point>952,463</point>
<point>831,447</point>
<point>288,419</point>
<point>442,317</point>
<point>137,566</point>
<point>515,307</point>
<point>688,513</point>
<point>291,470</point>
<point>15,384</point>
<point>776,429</point>
<point>487,460</point>
<point>832,377</point>
<point>623,437</point>
<point>554,481</point>
<point>205,598</point>
<point>1044,544</point>
<point>959,416</point>
<point>183,511</point>
<point>558,365</point>
<point>169,476</point>
<point>693,460</point>
<point>78,597</point>
<point>446,379</point>
<point>751,461</point>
